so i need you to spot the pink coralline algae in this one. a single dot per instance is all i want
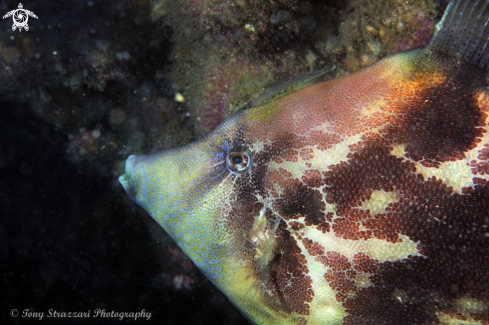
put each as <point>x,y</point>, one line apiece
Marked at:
<point>373,29</point>
<point>222,81</point>
<point>181,281</point>
<point>420,37</point>
<point>182,274</point>
<point>226,86</point>
<point>212,110</point>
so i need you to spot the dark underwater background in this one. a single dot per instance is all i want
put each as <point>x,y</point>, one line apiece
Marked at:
<point>92,82</point>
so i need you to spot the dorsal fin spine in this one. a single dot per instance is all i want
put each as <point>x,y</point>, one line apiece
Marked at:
<point>441,33</point>
<point>463,32</point>
<point>463,29</point>
<point>456,25</point>
<point>476,40</point>
<point>287,87</point>
<point>485,49</point>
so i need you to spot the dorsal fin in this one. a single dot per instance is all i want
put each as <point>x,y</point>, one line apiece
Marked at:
<point>287,87</point>
<point>463,31</point>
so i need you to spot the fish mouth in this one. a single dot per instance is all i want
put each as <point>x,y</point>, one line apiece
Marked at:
<point>127,180</point>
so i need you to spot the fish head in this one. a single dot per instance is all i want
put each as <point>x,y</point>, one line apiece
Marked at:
<point>356,200</point>
<point>214,198</point>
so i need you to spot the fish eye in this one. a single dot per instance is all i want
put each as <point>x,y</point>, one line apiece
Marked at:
<point>238,162</point>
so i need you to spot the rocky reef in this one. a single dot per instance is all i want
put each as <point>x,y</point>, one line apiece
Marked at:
<point>226,52</point>
<point>141,76</point>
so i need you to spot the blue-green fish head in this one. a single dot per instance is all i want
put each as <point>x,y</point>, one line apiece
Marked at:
<point>213,197</point>
<point>174,187</point>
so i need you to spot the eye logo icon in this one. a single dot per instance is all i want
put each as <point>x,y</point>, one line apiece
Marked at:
<point>20,17</point>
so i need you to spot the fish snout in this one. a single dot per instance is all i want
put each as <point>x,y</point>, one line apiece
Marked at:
<point>130,179</point>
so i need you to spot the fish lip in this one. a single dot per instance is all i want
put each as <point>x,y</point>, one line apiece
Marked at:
<point>131,163</point>
<point>127,180</point>
<point>124,180</point>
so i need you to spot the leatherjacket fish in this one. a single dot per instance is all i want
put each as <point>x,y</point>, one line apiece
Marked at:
<point>362,199</point>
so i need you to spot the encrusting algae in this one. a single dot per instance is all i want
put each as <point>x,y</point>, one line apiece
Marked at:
<point>225,52</point>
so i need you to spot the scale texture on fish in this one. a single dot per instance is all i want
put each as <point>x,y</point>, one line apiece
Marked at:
<point>358,200</point>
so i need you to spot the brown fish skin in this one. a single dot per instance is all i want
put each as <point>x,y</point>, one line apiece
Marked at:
<point>418,120</point>
<point>365,200</point>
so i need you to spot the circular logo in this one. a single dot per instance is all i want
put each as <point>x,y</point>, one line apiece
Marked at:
<point>20,18</point>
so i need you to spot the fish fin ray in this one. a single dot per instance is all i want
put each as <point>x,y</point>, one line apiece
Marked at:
<point>287,87</point>
<point>463,32</point>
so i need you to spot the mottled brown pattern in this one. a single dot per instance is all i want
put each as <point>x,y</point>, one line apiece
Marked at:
<point>324,227</point>
<point>428,212</point>
<point>484,153</point>
<point>341,273</point>
<point>442,122</point>
<point>335,261</point>
<point>296,226</point>
<point>338,281</point>
<point>370,168</point>
<point>341,297</point>
<point>289,280</point>
<point>299,200</point>
<point>279,177</point>
<point>372,306</point>
<point>290,155</point>
<point>312,178</point>
<point>323,140</point>
<point>436,125</point>
<point>450,227</point>
<point>481,167</point>
<point>307,154</point>
<point>364,263</point>
<point>347,226</point>
<point>312,247</point>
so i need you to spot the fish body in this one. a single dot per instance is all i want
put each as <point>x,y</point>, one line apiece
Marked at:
<point>358,200</point>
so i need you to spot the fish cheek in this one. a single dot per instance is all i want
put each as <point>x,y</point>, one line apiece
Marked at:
<point>277,263</point>
<point>288,280</point>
